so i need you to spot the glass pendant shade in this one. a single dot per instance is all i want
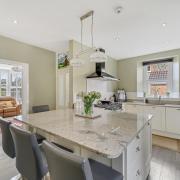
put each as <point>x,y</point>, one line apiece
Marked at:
<point>98,56</point>
<point>76,62</point>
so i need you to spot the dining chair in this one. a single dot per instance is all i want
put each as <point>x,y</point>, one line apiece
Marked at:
<point>41,108</point>
<point>7,140</point>
<point>29,159</point>
<point>68,166</point>
<point>37,109</point>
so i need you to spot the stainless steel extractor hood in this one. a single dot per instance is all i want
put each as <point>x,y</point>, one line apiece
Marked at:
<point>100,73</point>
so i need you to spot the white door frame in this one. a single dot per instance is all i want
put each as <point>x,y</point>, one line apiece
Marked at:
<point>25,87</point>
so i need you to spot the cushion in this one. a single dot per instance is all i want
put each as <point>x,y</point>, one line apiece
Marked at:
<point>103,172</point>
<point>9,104</point>
<point>10,109</point>
<point>3,104</point>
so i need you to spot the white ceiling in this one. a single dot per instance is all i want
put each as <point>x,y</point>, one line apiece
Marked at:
<point>51,23</point>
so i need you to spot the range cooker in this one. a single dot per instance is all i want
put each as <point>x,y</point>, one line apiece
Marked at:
<point>113,106</point>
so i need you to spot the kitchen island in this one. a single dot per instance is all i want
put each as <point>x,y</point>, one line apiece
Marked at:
<point>117,139</point>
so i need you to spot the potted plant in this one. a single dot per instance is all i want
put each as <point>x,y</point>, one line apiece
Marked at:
<point>88,100</point>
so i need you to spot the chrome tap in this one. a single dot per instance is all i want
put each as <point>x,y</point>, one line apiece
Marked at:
<point>159,99</point>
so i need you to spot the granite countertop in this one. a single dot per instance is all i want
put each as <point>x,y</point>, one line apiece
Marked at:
<point>152,104</point>
<point>93,134</point>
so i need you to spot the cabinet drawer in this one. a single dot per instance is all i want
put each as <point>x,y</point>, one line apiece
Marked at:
<point>134,153</point>
<point>132,148</point>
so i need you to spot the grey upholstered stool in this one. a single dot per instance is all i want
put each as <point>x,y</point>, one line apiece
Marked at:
<point>41,108</point>
<point>37,109</point>
<point>7,140</point>
<point>29,159</point>
<point>64,165</point>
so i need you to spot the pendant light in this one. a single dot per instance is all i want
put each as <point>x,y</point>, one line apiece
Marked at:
<point>98,55</point>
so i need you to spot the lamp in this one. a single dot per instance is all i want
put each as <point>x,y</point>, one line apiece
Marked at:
<point>98,56</point>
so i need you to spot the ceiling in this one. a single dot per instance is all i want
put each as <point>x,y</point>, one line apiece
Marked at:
<point>138,30</point>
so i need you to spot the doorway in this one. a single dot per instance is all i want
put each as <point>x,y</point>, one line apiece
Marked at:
<point>14,83</point>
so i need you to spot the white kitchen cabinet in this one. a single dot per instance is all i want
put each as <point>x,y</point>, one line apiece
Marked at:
<point>64,93</point>
<point>165,120</point>
<point>132,108</point>
<point>146,149</point>
<point>158,119</point>
<point>173,120</point>
<point>139,153</point>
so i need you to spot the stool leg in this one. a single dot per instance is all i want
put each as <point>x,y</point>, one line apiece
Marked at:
<point>17,177</point>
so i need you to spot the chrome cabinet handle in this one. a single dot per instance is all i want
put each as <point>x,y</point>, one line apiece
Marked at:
<point>138,173</point>
<point>138,149</point>
<point>138,137</point>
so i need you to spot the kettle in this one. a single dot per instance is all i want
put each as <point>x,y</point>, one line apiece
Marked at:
<point>120,95</point>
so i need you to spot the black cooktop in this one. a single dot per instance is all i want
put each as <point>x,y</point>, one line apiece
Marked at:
<point>110,106</point>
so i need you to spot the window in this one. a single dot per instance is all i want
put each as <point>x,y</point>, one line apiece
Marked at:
<point>158,78</point>
<point>11,83</point>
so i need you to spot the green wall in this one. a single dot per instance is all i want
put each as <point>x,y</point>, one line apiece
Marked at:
<point>42,73</point>
<point>80,73</point>
<point>127,68</point>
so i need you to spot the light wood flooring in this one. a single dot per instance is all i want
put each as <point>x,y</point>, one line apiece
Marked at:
<point>164,142</point>
<point>7,165</point>
<point>165,165</point>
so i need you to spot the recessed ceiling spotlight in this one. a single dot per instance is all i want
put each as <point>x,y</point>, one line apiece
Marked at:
<point>164,24</point>
<point>118,10</point>
<point>15,21</point>
<point>117,38</point>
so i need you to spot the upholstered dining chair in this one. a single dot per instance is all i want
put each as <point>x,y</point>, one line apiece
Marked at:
<point>38,109</point>
<point>7,140</point>
<point>29,159</point>
<point>68,166</point>
<point>41,108</point>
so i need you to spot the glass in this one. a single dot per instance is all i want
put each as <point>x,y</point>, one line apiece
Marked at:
<point>13,93</point>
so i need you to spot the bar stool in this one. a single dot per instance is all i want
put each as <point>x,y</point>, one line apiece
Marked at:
<point>29,159</point>
<point>41,108</point>
<point>37,109</point>
<point>68,166</point>
<point>7,140</point>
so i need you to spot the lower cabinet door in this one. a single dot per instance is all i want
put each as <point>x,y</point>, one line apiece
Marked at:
<point>158,119</point>
<point>173,120</point>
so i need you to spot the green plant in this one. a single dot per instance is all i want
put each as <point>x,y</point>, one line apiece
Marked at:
<point>88,100</point>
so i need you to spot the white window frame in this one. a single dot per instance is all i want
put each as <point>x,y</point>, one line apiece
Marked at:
<point>169,81</point>
<point>25,85</point>
<point>173,82</point>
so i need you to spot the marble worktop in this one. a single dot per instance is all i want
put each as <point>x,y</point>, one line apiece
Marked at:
<point>153,104</point>
<point>107,135</point>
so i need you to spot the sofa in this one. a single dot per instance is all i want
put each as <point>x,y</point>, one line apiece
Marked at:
<point>9,107</point>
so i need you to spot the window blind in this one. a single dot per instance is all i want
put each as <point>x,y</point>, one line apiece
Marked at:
<point>145,63</point>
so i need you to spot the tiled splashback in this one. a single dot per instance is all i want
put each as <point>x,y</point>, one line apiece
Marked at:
<point>100,86</point>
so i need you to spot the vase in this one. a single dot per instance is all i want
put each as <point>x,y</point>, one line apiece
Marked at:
<point>88,109</point>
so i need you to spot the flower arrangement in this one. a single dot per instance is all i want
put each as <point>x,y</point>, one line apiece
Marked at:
<point>88,100</point>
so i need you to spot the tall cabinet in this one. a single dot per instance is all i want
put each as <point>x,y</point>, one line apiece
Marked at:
<point>64,87</point>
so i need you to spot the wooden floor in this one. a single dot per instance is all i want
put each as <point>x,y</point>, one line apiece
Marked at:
<point>165,165</point>
<point>7,166</point>
<point>168,143</point>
